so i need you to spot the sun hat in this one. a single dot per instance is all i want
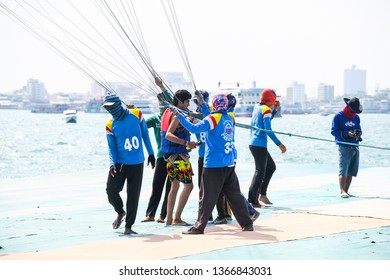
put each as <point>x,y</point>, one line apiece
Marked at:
<point>354,105</point>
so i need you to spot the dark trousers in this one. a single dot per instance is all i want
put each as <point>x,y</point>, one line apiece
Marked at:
<point>215,180</point>
<point>200,170</point>
<point>159,179</point>
<point>222,207</point>
<point>133,175</point>
<point>265,168</point>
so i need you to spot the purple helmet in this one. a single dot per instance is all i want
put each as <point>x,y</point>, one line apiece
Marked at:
<point>220,102</point>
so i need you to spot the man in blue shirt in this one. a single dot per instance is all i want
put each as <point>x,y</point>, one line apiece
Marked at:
<point>218,170</point>
<point>347,132</point>
<point>263,113</point>
<point>125,133</point>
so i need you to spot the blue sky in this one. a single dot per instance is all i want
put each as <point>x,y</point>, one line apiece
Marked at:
<point>271,42</point>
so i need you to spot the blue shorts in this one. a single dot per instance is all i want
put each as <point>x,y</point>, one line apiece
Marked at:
<point>348,161</point>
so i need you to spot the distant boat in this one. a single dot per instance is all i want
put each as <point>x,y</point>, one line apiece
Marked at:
<point>245,112</point>
<point>294,109</point>
<point>6,104</point>
<point>246,98</point>
<point>95,105</point>
<point>70,116</point>
<point>49,108</point>
<point>147,106</point>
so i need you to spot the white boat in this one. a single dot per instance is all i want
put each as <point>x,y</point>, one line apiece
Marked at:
<point>147,105</point>
<point>70,116</point>
<point>247,98</point>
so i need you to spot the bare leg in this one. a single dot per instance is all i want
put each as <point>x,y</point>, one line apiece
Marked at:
<point>182,203</point>
<point>171,200</point>
<point>342,183</point>
<point>348,182</point>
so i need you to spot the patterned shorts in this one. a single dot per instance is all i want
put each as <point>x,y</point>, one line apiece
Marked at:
<point>180,170</point>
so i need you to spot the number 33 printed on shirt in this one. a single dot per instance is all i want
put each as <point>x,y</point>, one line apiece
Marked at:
<point>133,145</point>
<point>229,146</point>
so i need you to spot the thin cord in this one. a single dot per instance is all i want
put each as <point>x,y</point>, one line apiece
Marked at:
<point>247,126</point>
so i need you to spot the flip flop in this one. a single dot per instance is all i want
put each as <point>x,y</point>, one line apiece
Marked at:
<point>117,223</point>
<point>344,195</point>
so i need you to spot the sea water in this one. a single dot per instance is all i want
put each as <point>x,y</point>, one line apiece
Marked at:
<point>34,144</point>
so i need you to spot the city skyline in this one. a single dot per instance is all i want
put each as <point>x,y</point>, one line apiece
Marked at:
<point>274,44</point>
<point>354,84</point>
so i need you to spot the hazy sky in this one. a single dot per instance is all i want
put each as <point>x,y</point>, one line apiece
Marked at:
<point>271,42</point>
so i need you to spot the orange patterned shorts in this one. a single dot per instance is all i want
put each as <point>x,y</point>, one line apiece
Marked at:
<point>180,170</point>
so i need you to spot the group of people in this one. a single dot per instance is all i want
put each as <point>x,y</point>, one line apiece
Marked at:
<point>127,134</point>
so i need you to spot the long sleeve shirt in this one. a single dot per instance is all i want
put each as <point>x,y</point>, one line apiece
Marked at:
<point>219,145</point>
<point>125,139</point>
<point>261,118</point>
<point>340,127</point>
<point>154,121</point>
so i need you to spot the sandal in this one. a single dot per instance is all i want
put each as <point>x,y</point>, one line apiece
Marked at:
<point>117,223</point>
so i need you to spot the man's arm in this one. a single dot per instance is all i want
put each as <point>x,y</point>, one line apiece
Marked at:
<point>145,137</point>
<point>201,126</point>
<point>170,132</point>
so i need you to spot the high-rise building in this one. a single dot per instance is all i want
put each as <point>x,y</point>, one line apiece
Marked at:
<point>296,94</point>
<point>325,92</point>
<point>96,90</point>
<point>354,82</point>
<point>36,90</point>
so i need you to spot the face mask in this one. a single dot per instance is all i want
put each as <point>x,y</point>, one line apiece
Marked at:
<point>117,111</point>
